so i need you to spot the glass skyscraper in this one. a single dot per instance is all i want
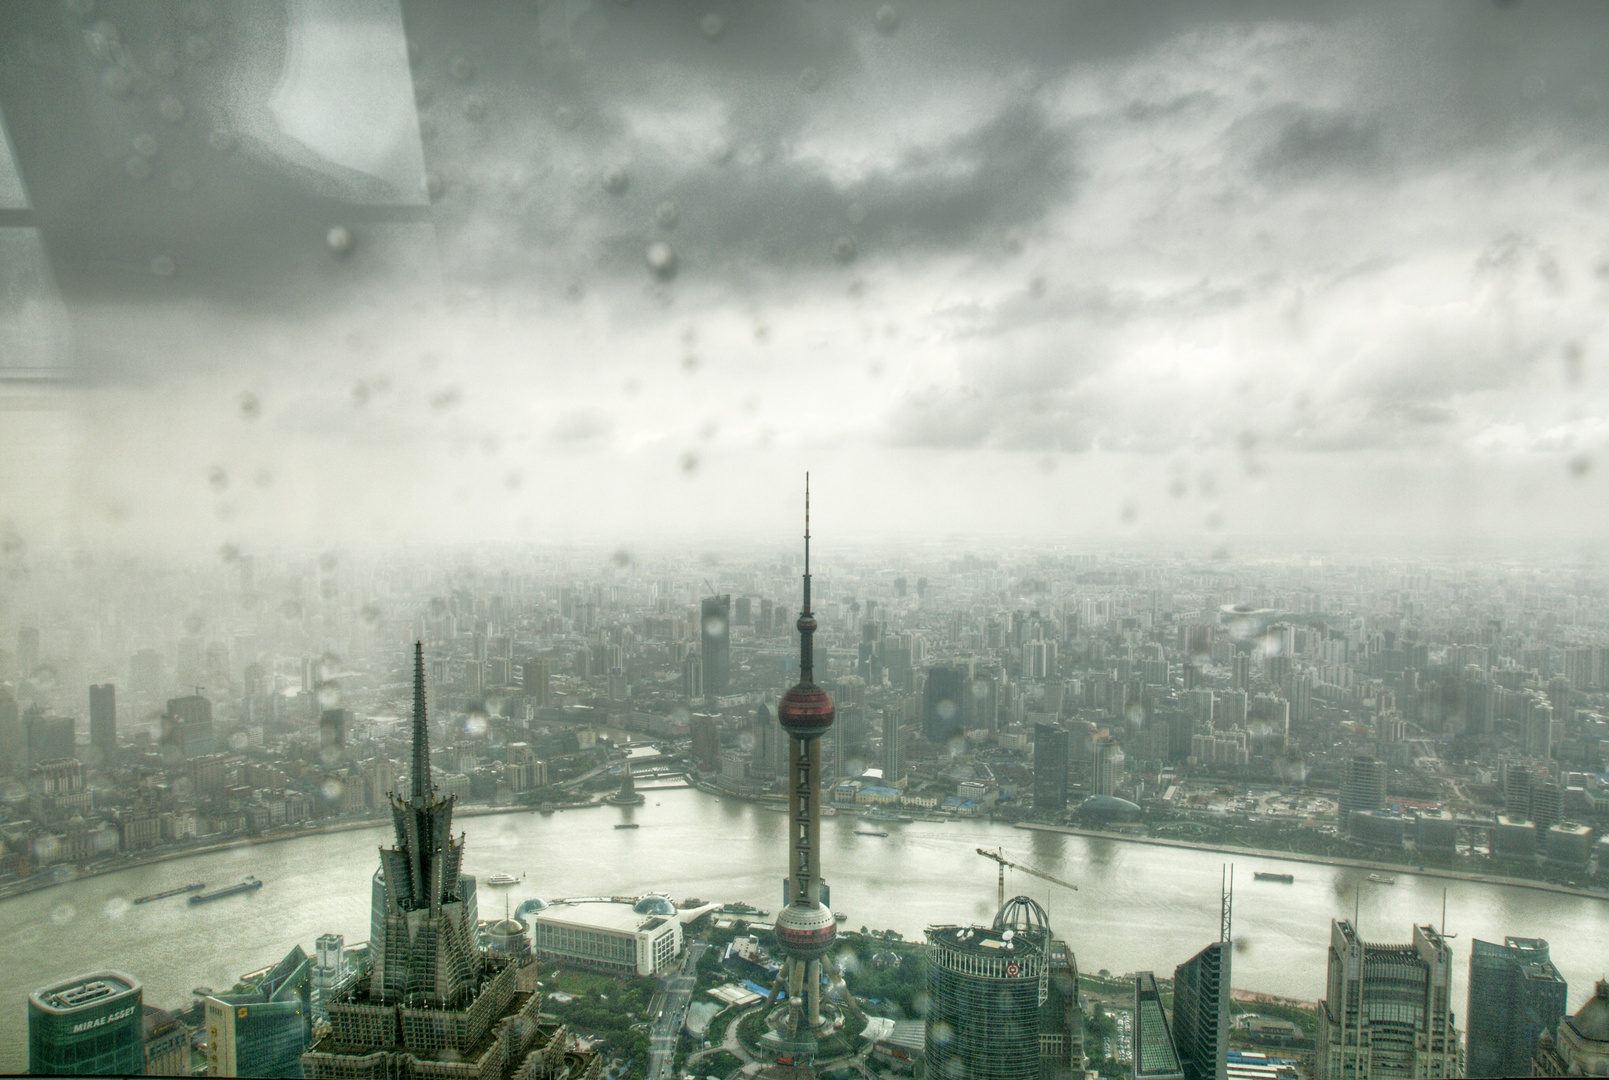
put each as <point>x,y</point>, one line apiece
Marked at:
<point>1201,1012</point>
<point>1515,994</point>
<point>89,1025</point>
<point>261,1028</point>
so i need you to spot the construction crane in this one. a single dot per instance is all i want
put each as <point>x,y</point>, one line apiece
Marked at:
<point>1000,857</point>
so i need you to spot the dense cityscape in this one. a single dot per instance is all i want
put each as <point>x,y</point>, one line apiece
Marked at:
<point>1411,718</point>
<point>703,540</point>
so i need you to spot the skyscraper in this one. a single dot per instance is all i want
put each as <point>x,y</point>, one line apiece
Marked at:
<point>103,721</point>
<point>715,640</point>
<point>1154,1055</point>
<point>89,1025</point>
<point>983,987</point>
<point>1051,748</point>
<point>1515,994</point>
<point>1201,1003</point>
<point>943,699</point>
<point>49,738</point>
<point>805,927</point>
<point>433,1004</point>
<point>1387,1009</point>
<point>262,1028</point>
<point>1363,786</point>
<point>187,726</point>
<point>13,745</point>
<point>893,748</point>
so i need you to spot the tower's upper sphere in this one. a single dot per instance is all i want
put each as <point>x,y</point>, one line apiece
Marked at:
<point>806,930</point>
<point>805,711</point>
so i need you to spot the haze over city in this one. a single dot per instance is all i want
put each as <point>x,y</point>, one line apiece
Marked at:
<point>415,658</point>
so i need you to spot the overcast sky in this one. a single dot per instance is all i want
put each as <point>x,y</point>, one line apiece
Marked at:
<point>1058,269</point>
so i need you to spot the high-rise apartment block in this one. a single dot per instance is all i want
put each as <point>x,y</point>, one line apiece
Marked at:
<point>262,1027</point>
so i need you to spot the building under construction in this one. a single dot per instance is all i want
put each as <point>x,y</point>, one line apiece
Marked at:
<point>433,1003</point>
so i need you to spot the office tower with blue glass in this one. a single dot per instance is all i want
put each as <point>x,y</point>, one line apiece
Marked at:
<point>89,1025</point>
<point>1515,994</point>
<point>262,1026</point>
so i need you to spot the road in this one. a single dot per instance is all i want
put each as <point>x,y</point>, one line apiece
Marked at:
<point>667,1027</point>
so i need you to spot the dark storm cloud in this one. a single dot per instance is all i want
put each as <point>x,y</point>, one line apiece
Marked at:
<point>1306,143</point>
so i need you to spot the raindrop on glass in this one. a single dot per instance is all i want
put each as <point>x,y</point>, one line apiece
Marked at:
<point>171,109</point>
<point>712,26</point>
<point>615,180</point>
<point>339,240</point>
<point>118,81</point>
<point>887,19</point>
<point>461,69</point>
<point>809,80</point>
<point>250,406</point>
<point>145,145</point>
<point>163,266</point>
<point>661,259</point>
<point>138,167</point>
<point>855,212</point>
<point>475,107</point>
<point>221,140</point>
<point>843,249</point>
<point>666,214</point>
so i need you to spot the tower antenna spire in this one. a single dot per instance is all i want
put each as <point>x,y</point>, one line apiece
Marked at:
<point>1227,906</point>
<point>807,546</point>
<point>422,787</point>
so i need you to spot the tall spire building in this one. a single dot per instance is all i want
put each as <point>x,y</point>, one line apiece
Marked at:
<point>805,927</point>
<point>433,1003</point>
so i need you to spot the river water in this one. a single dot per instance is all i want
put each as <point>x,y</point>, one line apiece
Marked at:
<point>1138,906</point>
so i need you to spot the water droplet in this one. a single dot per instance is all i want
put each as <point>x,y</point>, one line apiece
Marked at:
<point>339,240</point>
<point>118,81</point>
<point>575,291</point>
<point>228,553</point>
<point>1580,465</point>
<point>689,463</point>
<point>290,609</point>
<point>475,107</point>
<point>662,259</point>
<point>331,789</point>
<point>250,406</point>
<point>446,398</point>
<point>221,140</point>
<point>145,145</point>
<point>689,363</point>
<point>855,212</point>
<point>621,558</point>
<point>62,914</point>
<point>171,109</point>
<point>102,39</point>
<point>712,25</point>
<point>666,214</point>
<point>1128,513</point>
<point>138,167</point>
<point>217,478</point>
<point>809,80</point>
<point>116,908</point>
<point>720,151</point>
<point>615,180</point>
<point>461,69</point>
<point>844,249</point>
<point>163,266</point>
<point>887,19</point>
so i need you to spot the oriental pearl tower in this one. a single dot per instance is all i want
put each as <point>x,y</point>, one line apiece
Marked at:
<point>805,927</point>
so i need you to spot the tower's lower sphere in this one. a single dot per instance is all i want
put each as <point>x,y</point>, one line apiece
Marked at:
<point>806,930</point>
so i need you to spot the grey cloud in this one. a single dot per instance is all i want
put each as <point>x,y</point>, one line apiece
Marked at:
<point>1308,142</point>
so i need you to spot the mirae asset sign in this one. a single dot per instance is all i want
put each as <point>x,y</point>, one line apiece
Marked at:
<point>121,1014</point>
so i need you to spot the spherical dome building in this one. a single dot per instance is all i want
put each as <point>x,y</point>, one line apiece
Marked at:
<point>806,711</point>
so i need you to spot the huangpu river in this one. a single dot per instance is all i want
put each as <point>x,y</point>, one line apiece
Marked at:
<point>1138,907</point>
